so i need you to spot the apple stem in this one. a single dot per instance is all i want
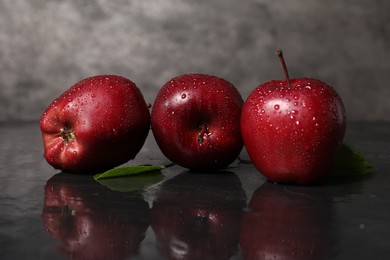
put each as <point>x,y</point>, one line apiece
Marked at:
<point>203,130</point>
<point>281,58</point>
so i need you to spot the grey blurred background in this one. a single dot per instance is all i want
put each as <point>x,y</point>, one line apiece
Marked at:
<point>48,45</point>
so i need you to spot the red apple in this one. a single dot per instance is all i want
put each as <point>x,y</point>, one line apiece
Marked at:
<point>197,216</point>
<point>91,221</point>
<point>292,129</point>
<point>196,121</point>
<point>99,123</point>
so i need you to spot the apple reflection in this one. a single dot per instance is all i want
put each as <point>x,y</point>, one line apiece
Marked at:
<point>287,222</point>
<point>197,216</point>
<point>91,221</point>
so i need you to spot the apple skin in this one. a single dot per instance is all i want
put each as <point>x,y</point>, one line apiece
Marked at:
<point>195,120</point>
<point>292,129</point>
<point>91,221</point>
<point>198,216</point>
<point>97,124</point>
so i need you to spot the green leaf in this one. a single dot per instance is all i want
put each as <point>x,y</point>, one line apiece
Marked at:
<point>126,171</point>
<point>351,162</point>
<point>134,182</point>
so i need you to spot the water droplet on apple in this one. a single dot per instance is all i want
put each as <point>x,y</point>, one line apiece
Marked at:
<point>297,122</point>
<point>183,96</point>
<point>276,107</point>
<point>93,95</point>
<point>295,103</point>
<point>294,112</point>
<point>314,118</point>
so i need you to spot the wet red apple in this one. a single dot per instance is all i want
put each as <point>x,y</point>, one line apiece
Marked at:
<point>97,124</point>
<point>293,128</point>
<point>196,121</point>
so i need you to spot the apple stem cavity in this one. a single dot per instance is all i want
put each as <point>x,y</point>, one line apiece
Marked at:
<point>203,131</point>
<point>281,58</point>
<point>67,134</point>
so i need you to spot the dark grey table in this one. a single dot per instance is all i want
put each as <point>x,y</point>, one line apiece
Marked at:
<point>235,214</point>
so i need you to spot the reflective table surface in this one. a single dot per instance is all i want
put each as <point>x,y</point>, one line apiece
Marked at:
<point>232,214</point>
